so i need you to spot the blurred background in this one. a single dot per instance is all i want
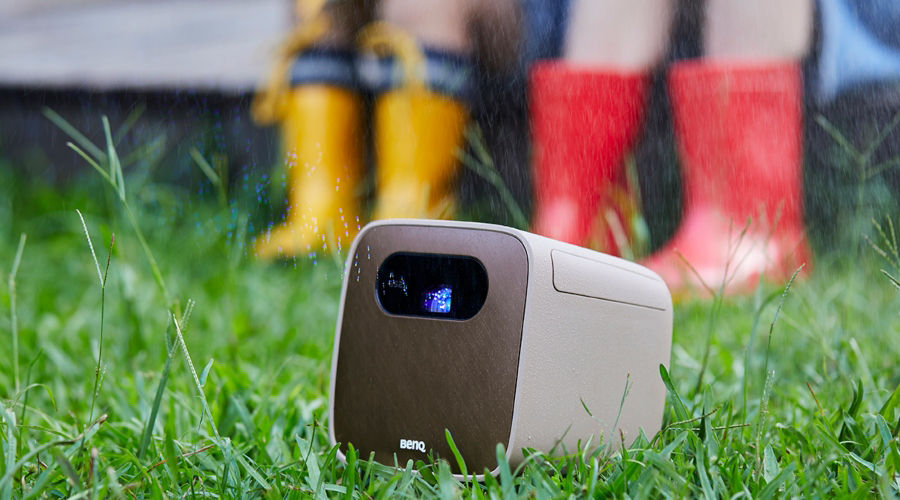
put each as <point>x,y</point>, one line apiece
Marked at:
<point>181,75</point>
<point>231,146</point>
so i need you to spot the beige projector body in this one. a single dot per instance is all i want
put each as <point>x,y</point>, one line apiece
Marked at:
<point>497,335</point>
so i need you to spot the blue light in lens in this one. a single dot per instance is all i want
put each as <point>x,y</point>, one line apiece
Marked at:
<point>437,300</point>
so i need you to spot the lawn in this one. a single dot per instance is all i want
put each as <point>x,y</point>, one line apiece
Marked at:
<point>177,365</point>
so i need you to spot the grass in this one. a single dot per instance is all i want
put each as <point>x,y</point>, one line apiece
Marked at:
<point>101,395</point>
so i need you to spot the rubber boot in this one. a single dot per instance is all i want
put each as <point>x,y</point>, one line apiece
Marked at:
<point>419,116</point>
<point>584,121</point>
<point>322,136</point>
<point>417,136</point>
<point>739,130</point>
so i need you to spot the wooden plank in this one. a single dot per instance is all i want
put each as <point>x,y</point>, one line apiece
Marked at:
<point>205,45</point>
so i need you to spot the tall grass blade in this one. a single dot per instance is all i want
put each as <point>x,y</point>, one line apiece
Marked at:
<point>205,167</point>
<point>784,294</point>
<point>115,166</point>
<point>457,455</point>
<point>769,376</point>
<point>750,343</point>
<point>506,477</point>
<point>90,161</point>
<point>882,167</point>
<point>882,135</point>
<point>130,121</point>
<point>179,338</point>
<point>112,242</point>
<point>74,133</point>
<point>483,166</point>
<point>116,179</point>
<point>225,447</point>
<point>839,138</point>
<point>87,236</point>
<point>13,319</point>
<point>163,381</point>
<point>154,267</point>
<point>893,280</point>
<point>11,444</point>
<point>681,410</point>
<point>67,469</point>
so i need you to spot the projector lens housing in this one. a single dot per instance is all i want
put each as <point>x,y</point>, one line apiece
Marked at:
<point>431,285</point>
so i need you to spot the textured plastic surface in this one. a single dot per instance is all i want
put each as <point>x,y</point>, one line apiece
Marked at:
<point>599,280</point>
<point>581,352</point>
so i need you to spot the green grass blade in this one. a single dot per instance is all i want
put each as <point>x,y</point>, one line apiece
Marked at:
<point>784,295</point>
<point>45,475</point>
<point>67,469</point>
<point>157,400</point>
<point>880,138</point>
<point>506,477</point>
<point>90,161</point>
<point>154,267</point>
<point>206,411</point>
<point>838,137</point>
<point>115,166</point>
<point>483,166</point>
<point>887,410</point>
<point>13,318</point>
<point>164,378</point>
<point>883,431</point>
<point>11,443</point>
<point>74,133</point>
<point>98,370</point>
<point>876,170</point>
<point>205,167</point>
<point>251,470</point>
<point>892,279</point>
<point>681,411</point>
<point>87,236</point>
<point>772,487</point>
<point>205,372</point>
<point>179,337</point>
<point>129,122</point>
<point>457,456</point>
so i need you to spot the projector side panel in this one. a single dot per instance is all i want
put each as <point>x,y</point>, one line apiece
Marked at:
<point>582,354</point>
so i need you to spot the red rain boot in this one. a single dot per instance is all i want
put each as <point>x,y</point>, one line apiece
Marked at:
<point>584,121</point>
<point>739,129</point>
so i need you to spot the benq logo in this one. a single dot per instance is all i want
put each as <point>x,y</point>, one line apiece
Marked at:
<point>412,444</point>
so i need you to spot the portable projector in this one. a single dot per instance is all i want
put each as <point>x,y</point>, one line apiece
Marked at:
<point>497,335</point>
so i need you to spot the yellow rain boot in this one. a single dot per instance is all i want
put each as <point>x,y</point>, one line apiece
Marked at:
<point>323,154</point>
<point>316,102</point>
<point>419,119</point>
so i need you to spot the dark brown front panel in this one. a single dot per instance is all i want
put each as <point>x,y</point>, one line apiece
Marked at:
<point>408,378</point>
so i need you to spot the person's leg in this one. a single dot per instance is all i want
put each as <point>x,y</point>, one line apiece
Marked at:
<point>315,99</point>
<point>586,109</point>
<point>628,35</point>
<point>757,31</point>
<point>739,122</point>
<point>433,23</point>
<point>421,107</point>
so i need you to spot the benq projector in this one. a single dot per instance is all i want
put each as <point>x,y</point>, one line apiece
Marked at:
<point>497,335</point>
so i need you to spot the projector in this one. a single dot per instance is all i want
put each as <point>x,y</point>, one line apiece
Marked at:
<point>497,336</point>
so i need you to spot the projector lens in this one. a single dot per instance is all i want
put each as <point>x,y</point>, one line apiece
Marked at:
<point>431,285</point>
<point>438,300</point>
